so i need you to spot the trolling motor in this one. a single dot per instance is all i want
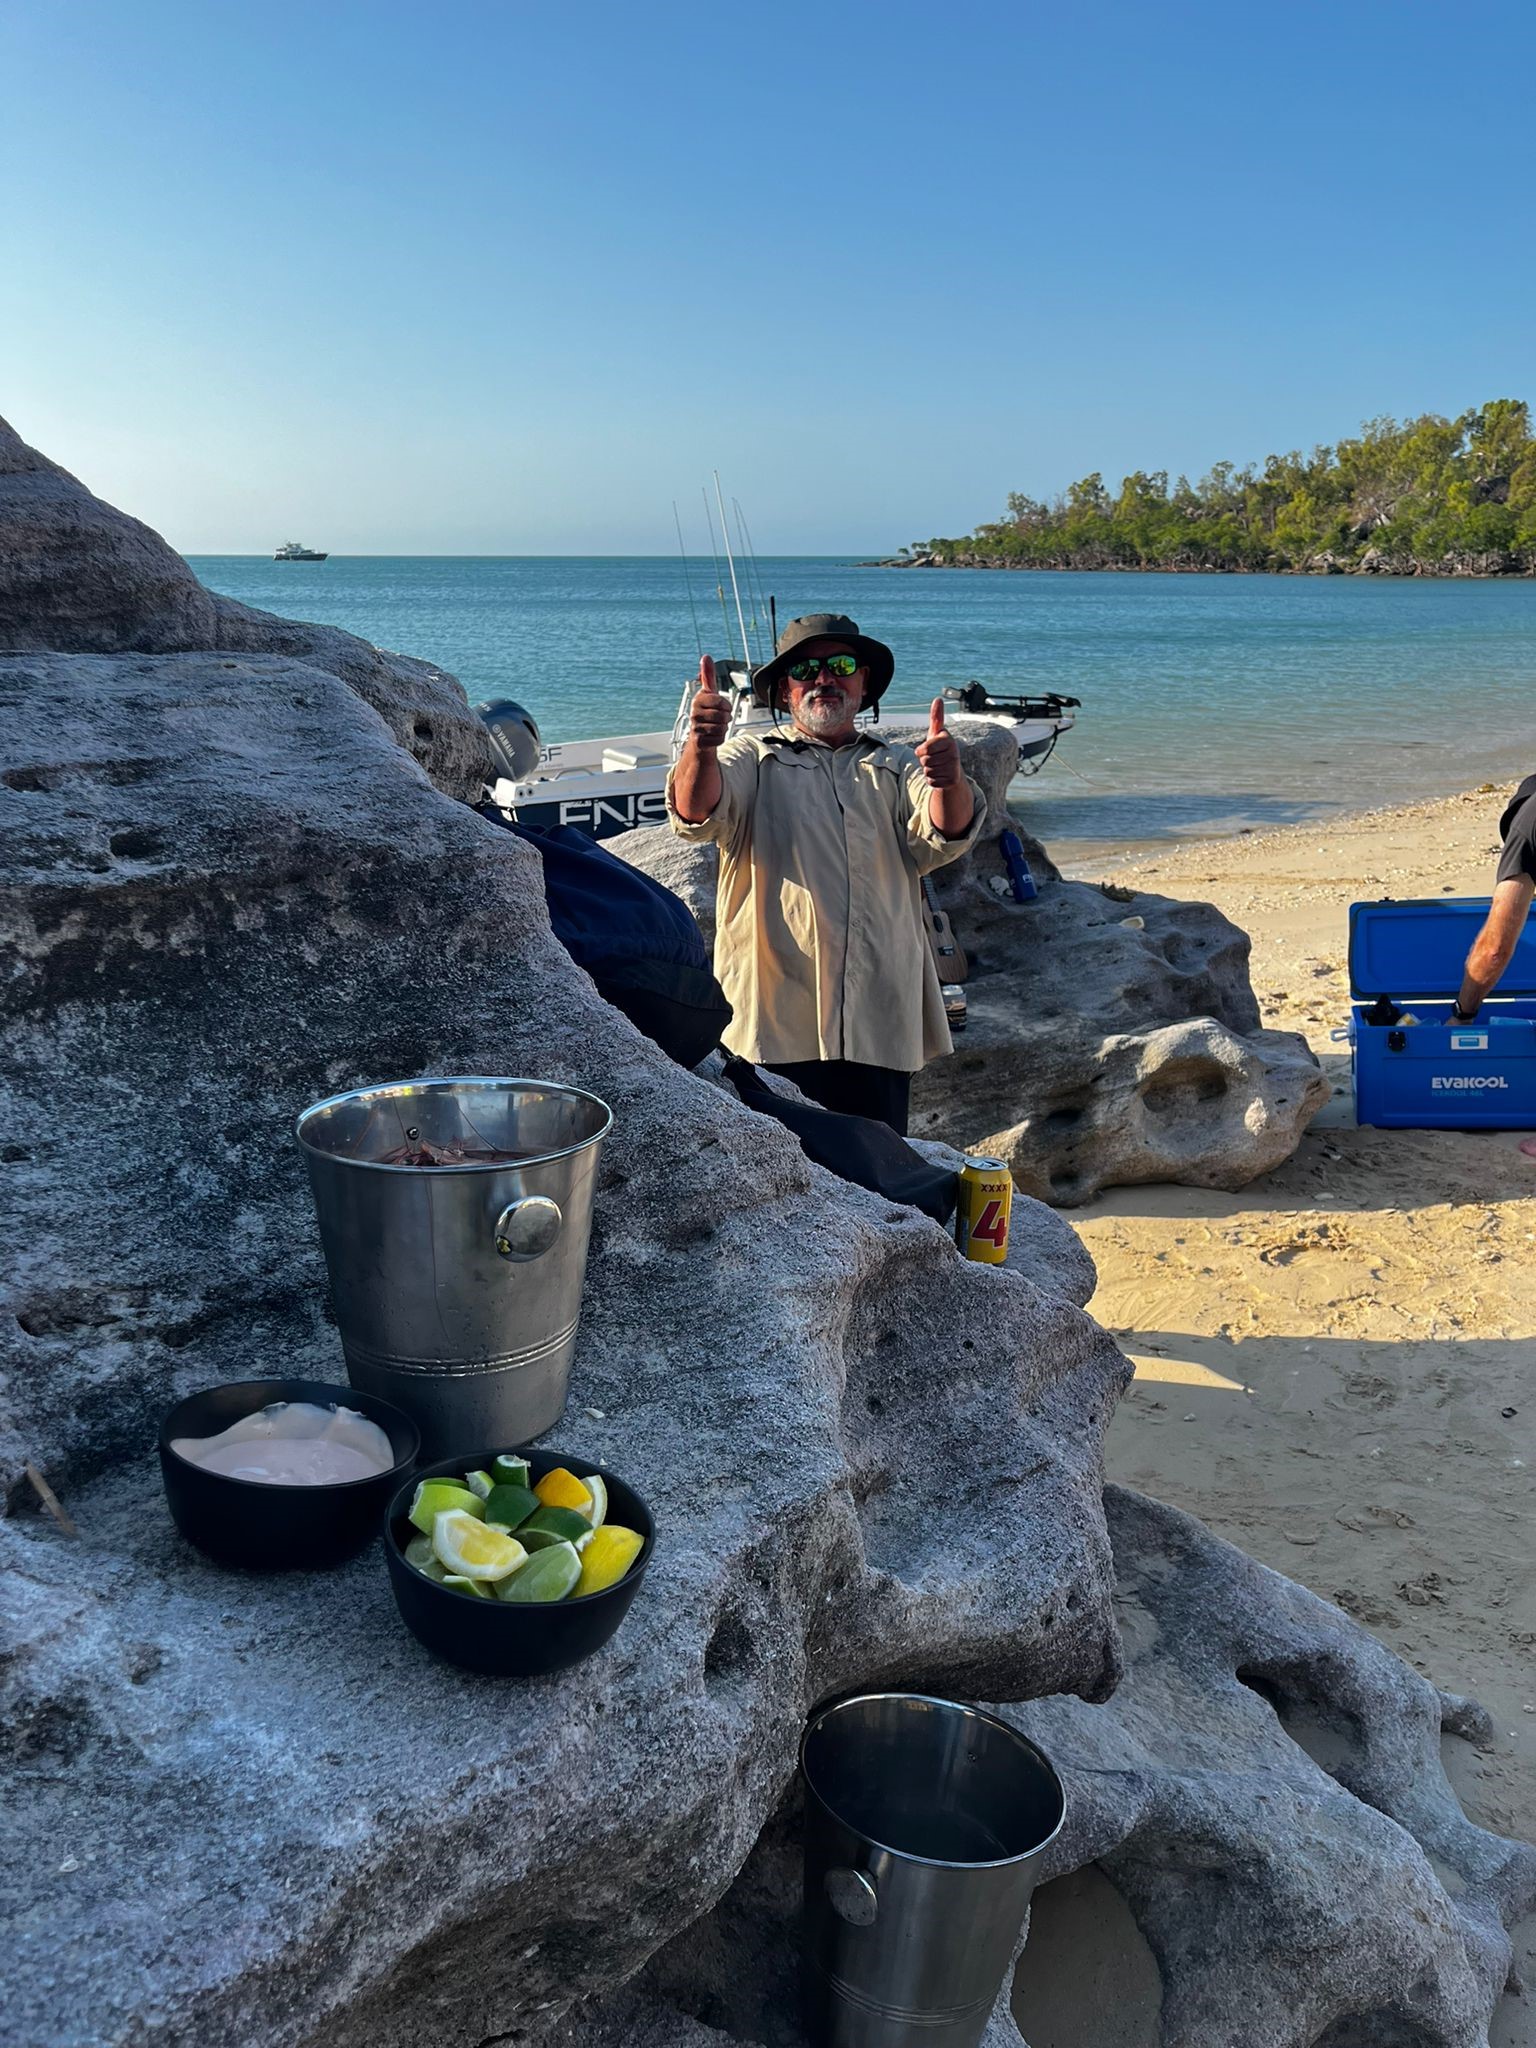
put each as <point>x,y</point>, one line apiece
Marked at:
<point>977,699</point>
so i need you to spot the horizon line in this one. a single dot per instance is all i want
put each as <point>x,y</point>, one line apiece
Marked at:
<point>450,555</point>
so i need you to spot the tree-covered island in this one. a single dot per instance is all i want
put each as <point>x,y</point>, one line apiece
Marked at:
<point>1427,497</point>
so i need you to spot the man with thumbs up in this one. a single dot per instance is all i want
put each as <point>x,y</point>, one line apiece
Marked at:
<point>825,831</point>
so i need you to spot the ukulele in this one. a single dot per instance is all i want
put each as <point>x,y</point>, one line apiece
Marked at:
<point>948,958</point>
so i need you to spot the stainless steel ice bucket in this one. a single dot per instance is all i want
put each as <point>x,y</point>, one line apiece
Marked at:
<point>925,1820</point>
<point>458,1287</point>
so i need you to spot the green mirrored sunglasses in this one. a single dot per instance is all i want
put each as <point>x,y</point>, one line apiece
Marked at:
<point>840,665</point>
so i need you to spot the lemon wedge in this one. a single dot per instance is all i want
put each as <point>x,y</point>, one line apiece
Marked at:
<point>470,1549</point>
<point>607,1557</point>
<point>562,1489</point>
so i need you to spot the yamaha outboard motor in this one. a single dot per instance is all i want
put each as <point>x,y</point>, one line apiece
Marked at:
<point>514,737</point>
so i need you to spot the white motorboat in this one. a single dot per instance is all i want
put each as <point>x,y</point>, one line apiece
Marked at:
<point>606,786</point>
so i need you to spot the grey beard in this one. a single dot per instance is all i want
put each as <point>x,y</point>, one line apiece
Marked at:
<point>824,717</point>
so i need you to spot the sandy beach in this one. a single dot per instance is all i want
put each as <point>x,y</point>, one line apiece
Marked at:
<point>1333,1367</point>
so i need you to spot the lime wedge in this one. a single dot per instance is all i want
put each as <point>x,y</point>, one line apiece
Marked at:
<point>597,1487</point>
<point>418,1551</point>
<point>539,1539</point>
<point>459,1584</point>
<point>549,1576</point>
<point>556,1522</point>
<point>508,1470</point>
<point>464,1544</point>
<point>434,1497</point>
<point>479,1483</point>
<point>507,1506</point>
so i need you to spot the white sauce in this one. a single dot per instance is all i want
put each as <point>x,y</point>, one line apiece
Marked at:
<point>293,1443</point>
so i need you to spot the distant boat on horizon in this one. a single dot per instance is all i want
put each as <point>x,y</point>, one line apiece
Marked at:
<point>295,551</point>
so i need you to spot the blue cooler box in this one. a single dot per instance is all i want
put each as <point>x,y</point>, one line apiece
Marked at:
<point>1431,1074</point>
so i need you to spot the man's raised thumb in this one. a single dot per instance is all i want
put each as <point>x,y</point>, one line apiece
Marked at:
<point>936,719</point>
<point>707,673</point>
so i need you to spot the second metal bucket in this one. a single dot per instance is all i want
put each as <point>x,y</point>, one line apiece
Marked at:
<point>457,1283</point>
<point>924,1822</point>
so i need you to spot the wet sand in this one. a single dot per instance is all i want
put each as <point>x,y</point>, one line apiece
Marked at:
<point>1334,1366</point>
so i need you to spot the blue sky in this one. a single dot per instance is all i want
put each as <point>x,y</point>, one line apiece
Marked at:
<point>493,277</point>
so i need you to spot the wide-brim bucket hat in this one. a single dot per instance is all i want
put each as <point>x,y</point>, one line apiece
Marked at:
<point>873,655</point>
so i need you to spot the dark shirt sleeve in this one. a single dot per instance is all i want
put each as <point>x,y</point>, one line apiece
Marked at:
<point>1519,855</point>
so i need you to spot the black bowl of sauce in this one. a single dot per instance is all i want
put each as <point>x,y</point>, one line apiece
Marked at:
<point>262,1525</point>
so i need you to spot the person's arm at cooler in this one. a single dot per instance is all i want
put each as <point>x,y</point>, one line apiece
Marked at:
<point>696,786</point>
<point>952,804</point>
<point>1494,945</point>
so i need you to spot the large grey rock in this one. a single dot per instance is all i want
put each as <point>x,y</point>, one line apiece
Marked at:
<point>80,577</point>
<point>75,573</point>
<point>1112,1040</point>
<point>424,707</point>
<point>253,1809</point>
<point>1192,1102</point>
<point>1109,1038</point>
<point>1264,1794</point>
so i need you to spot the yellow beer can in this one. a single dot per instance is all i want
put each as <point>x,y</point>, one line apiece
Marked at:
<point>983,1209</point>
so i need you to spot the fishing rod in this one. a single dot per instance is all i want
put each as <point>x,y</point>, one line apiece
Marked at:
<point>754,574</point>
<point>746,651</point>
<point>687,581</point>
<point>709,520</point>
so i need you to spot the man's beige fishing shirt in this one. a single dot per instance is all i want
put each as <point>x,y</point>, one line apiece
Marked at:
<point>820,943</point>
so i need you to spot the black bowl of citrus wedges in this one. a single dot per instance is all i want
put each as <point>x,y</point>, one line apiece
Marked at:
<point>516,1562</point>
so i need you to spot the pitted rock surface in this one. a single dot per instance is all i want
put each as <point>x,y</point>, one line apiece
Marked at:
<point>1265,1794</point>
<point>248,1808</point>
<point>1106,1042</point>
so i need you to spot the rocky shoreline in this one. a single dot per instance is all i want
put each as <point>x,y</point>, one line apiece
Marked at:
<point>1371,564</point>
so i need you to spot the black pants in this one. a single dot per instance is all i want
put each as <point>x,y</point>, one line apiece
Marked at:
<point>853,1089</point>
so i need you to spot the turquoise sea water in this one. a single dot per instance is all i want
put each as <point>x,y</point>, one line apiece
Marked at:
<point>1209,702</point>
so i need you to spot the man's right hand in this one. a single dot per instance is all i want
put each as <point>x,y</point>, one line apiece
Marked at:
<point>711,714</point>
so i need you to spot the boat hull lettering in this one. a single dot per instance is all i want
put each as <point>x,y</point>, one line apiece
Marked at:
<point>603,816</point>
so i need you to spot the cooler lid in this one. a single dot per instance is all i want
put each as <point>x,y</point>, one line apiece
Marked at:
<point>1415,951</point>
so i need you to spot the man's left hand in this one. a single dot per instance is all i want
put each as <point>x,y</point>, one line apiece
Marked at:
<point>939,753</point>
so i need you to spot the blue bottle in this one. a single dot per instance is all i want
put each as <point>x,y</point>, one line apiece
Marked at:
<point>1024,890</point>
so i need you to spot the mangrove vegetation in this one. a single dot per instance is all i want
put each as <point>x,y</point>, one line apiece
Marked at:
<point>1424,497</point>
